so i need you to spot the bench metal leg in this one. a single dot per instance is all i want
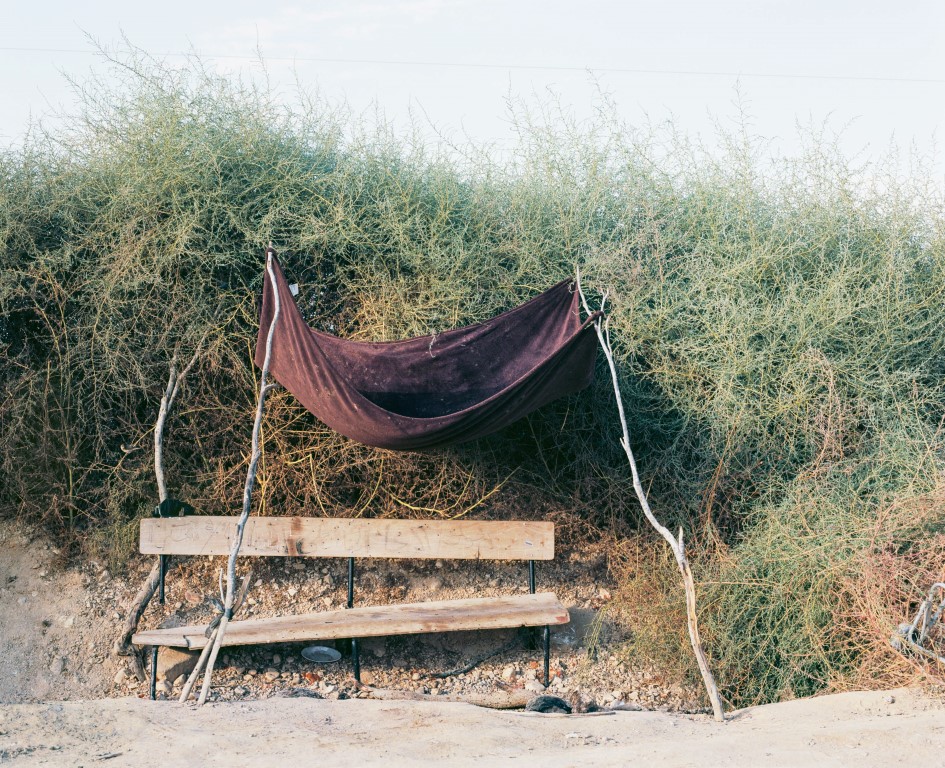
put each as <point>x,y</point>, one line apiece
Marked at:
<point>162,559</point>
<point>547,640</point>
<point>154,655</point>
<point>356,659</point>
<point>355,650</point>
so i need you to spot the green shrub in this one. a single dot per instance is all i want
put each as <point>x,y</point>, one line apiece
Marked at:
<point>779,328</point>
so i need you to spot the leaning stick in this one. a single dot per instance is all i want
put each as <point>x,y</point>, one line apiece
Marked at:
<point>247,491</point>
<point>677,545</point>
<point>146,592</point>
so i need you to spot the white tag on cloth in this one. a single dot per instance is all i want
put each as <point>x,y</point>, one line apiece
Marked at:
<point>294,289</point>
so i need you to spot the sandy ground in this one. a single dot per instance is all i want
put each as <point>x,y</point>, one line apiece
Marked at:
<point>851,729</point>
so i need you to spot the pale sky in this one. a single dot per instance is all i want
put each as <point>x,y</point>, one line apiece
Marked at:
<point>873,71</point>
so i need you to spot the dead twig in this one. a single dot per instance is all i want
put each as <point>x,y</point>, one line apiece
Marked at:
<point>676,544</point>
<point>247,490</point>
<point>123,645</point>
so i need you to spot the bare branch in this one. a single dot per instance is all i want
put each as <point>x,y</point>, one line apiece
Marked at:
<point>676,545</point>
<point>247,490</point>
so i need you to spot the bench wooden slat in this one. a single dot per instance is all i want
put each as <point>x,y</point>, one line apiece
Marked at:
<point>346,537</point>
<point>376,621</point>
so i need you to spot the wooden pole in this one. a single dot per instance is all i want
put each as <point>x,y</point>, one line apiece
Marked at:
<point>122,645</point>
<point>676,544</point>
<point>247,491</point>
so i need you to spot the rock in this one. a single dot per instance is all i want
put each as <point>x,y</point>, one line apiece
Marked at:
<point>276,659</point>
<point>271,675</point>
<point>174,662</point>
<point>179,682</point>
<point>120,676</point>
<point>367,678</point>
<point>69,622</point>
<point>415,676</point>
<point>548,704</point>
<point>534,686</point>
<point>58,665</point>
<point>193,597</point>
<point>508,673</point>
<point>162,688</point>
<point>292,591</point>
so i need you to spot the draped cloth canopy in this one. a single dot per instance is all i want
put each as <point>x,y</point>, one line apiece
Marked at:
<point>438,390</point>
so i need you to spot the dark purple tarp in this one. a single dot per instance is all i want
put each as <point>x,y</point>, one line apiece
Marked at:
<point>436,390</point>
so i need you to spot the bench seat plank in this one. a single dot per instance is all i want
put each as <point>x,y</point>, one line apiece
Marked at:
<point>376,621</point>
<point>351,537</point>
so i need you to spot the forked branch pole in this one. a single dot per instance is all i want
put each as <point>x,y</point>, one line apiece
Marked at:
<point>228,601</point>
<point>138,605</point>
<point>677,545</point>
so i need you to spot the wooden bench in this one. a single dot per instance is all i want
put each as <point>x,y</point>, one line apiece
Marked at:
<point>363,538</point>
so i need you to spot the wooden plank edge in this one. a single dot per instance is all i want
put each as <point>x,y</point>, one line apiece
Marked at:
<point>192,637</point>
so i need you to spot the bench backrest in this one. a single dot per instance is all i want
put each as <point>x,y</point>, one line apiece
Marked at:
<point>345,537</point>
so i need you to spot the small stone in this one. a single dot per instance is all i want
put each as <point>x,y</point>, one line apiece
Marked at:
<point>367,678</point>
<point>193,597</point>
<point>292,591</point>
<point>120,676</point>
<point>69,623</point>
<point>271,675</point>
<point>415,676</point>
<point>259,583</point>
<point>276,659</point>
<point>162,688</point>
<point>253,672</point>
<point>534,686</point>
<point>174,662</point>
<point>329,688</point>
<point>438,564</point>
<point>58,665</point>
<point>22,601</point>
<point>180,681</point>
<point>116,616</point>
<point>508,673</point>
<point>890,699</point>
